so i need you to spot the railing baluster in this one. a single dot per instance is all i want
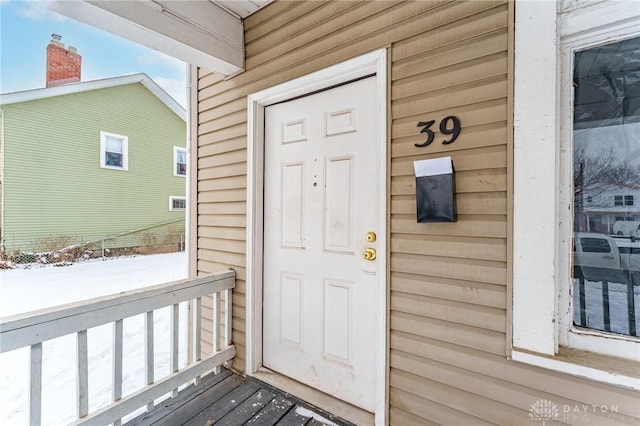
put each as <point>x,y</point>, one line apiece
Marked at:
<point>197,331</point>
<point>216,326</point>
<point>35,394</point>
<point>117,364</point>
<point>631,309</point>
<point>583,303</point>
<point>228,317</point>
<point>174,341</point>
<point>605,306</point>
<point>83,375</point>
<point>148,351</point>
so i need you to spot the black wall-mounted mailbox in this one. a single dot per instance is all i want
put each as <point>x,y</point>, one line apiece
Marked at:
<point>435,190</point>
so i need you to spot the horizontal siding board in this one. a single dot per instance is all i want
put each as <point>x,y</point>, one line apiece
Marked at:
<point>559,387</point>
<point>230,120</point>
<point>231,195</point>
<point>490,157</point>
<point>289,14</point>
<point>493,111</point>
<point>494,249</point>
<point>222,110</point>
<point>487,180</point>
<point>489,203</point>
<point>418,406</point>
<point>233,157</point>
<point>229,170</point>
<point>451,311</point>
<point>474,405</point>
<point>227,182</point>
<point>412,375</point>
<point>309,28</point>
<point>488,17</point>
<point>401,417</point>
<point>491,43</point>
<point>222,208</point>
<point>231,259</point>
<point>428,100</point>
<point>449,76</point>
<point>227,132</point>
<point>491,226</point>
<point>231,221</point>
<point>221,147</point>
<point>480,294</point>
<point>493,134</point>
<point>462,335</point>
<point>223,233</point>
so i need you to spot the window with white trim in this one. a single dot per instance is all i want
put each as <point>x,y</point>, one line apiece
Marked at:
<point>114,151</point>
<point>606,158</point>
<point>179,161</point>
<point>177,203</point>
<point>552,204</point>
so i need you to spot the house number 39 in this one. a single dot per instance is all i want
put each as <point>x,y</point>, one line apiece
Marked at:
<point>449,125</point>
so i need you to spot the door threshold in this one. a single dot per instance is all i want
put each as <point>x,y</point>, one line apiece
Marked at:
<point>320,399</point>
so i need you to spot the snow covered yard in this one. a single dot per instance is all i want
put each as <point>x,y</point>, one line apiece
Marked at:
<point>26,290</point>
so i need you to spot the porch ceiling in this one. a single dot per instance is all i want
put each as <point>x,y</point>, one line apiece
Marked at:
<point>207,33</point>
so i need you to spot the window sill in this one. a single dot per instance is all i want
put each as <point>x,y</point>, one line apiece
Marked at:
<point>618,372</point>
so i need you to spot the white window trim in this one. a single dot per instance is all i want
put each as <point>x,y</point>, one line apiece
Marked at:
<point>125,150</point>
<point>173,198</point>
<point>176,149</point>
<point>541,253</point>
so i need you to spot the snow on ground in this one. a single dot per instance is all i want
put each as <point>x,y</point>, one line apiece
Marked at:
<point>26,290</point>
<point>618,306</point>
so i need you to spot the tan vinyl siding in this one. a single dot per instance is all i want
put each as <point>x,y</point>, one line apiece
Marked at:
<point>448,282</point>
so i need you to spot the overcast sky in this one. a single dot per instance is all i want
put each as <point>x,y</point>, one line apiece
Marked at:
<point>26,28</point>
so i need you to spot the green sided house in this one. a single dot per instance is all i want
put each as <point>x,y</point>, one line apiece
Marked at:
<point>92,160</point>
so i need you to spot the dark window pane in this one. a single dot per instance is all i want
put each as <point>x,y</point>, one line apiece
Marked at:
<point>113,159</point>
<point>595,245</point>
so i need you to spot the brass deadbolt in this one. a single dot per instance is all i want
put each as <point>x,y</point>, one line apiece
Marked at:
<point>371,236</point>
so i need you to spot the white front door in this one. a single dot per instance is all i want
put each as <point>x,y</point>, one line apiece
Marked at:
<point>320,204</point>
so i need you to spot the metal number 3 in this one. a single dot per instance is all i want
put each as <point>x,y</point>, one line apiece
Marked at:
<point>449,125</point>
<point>425,129</point>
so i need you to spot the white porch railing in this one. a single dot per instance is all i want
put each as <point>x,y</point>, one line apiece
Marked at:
<point>33,328</point>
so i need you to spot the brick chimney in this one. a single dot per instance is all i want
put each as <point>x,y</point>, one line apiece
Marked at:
<point>63,65</point>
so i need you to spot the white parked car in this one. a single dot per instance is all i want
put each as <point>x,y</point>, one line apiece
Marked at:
<point>629,249</point>
<point>598,250</point>
<point>630,228</point>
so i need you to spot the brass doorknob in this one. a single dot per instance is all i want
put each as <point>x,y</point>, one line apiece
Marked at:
<point>371,236</point>
<point>369,254</point>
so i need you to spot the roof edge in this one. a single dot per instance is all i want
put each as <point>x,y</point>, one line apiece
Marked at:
<point>67,89</point>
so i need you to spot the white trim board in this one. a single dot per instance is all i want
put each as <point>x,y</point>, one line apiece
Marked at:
<point>368,64</point>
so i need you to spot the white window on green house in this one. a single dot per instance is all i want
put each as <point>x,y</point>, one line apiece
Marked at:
<point>179,161</point>
<point>177,203</point>
<point>114,151</point>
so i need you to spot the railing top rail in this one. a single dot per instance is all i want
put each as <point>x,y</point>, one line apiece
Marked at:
<point>38,326</point>
<point>592,273</point>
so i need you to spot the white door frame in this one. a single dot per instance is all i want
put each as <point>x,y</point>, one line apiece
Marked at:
<point>368,64</point>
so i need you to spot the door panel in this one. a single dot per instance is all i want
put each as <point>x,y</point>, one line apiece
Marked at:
<point>320,201</point>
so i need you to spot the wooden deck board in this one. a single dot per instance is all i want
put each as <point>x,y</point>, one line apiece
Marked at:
<point>228,399</point>
<point>272,413</point>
